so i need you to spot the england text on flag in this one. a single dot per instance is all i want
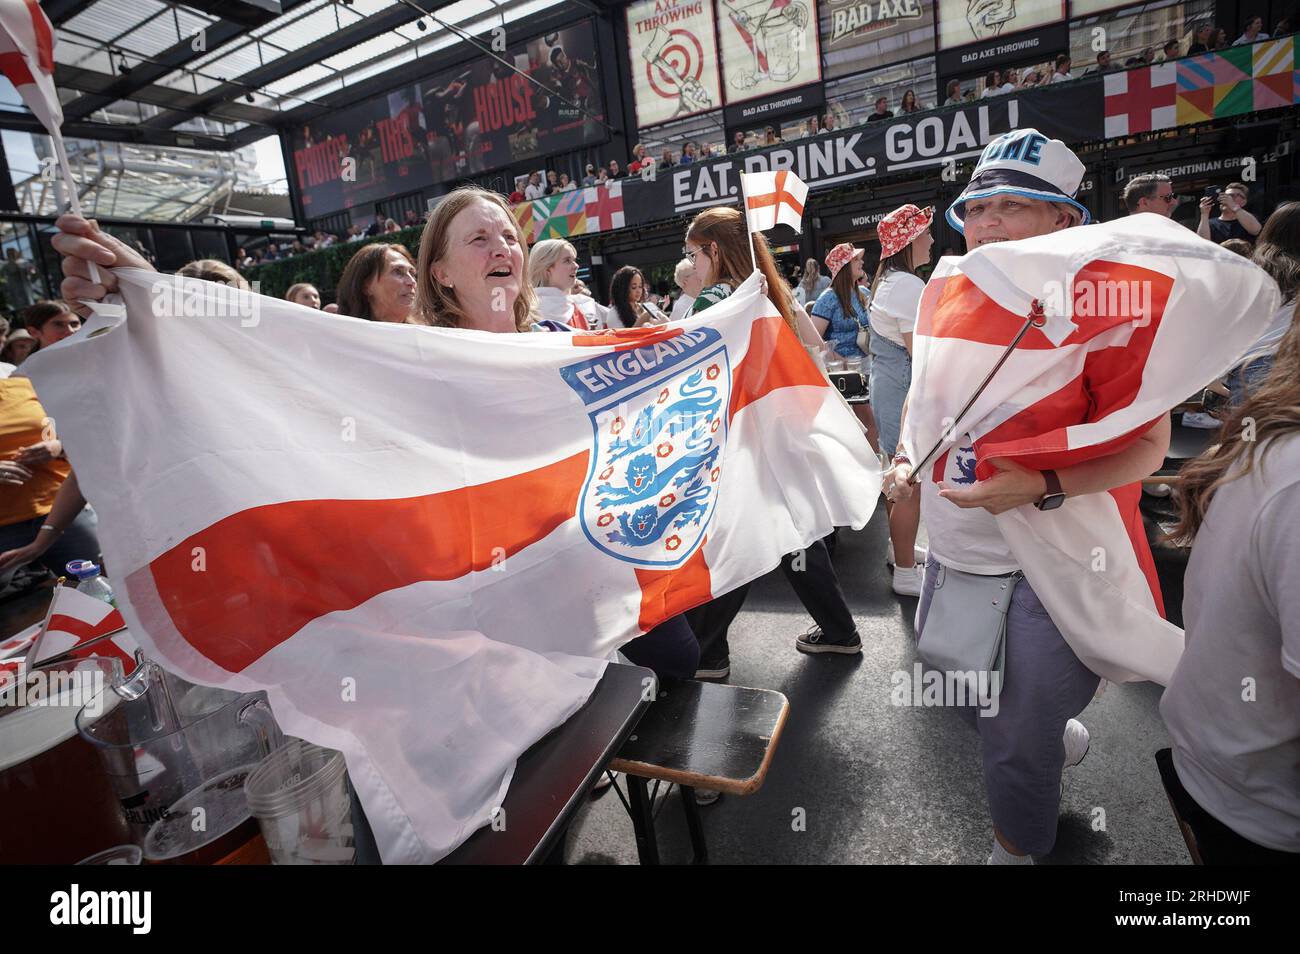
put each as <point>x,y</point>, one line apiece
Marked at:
<point>1124,320</point>
<point>773,198</point>
<point>425,543</point>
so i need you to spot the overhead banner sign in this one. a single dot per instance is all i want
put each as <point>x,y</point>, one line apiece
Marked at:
<point>767,46</point>
<point>975,21</point>
<point>863,34</point>
<point>756,111</point>
<point>478,117</point>
<point>374,149</point>
<point>1036,45</point>
<point>673,49</point>
<point>1072,113</point>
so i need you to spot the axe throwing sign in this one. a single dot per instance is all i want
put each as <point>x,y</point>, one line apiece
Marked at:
<point>674,59</point>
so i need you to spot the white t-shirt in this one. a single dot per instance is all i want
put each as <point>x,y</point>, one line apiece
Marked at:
<point>962,538</point>
<point>1060,77</point>
<point>682,306</point>
<point>1237,743</point>
<point>534,192</point>
<point>894,305</point>
<point>1007,88</point>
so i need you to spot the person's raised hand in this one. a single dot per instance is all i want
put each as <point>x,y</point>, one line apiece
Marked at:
<point>1207,205</point>
<point>80,241</point>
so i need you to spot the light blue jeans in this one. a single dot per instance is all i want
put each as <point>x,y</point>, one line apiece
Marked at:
<point>891,376</point>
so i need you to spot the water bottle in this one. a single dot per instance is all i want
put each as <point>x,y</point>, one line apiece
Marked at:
<point>90,582</point>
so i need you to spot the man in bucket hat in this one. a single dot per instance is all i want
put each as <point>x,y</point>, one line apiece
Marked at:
<point>1023,186</point>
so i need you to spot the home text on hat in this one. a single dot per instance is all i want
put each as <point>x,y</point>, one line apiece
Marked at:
<point>1023,147</point>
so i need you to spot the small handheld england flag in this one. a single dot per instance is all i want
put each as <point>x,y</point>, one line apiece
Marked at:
<point>773,198</point>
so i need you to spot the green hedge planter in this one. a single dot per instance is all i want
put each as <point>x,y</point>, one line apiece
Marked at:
<point>324,268</point>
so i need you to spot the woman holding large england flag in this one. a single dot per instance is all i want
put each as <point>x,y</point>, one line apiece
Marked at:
<point>472,273</point>
<point>1034,410</point>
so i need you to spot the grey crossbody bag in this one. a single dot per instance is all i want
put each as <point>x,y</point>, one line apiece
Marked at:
<point>965,629</point>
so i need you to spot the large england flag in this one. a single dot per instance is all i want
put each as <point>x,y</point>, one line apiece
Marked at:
<point>425,543</point>
<point>1140,313</point>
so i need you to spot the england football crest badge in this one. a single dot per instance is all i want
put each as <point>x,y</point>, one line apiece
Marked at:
<point>659,424</point>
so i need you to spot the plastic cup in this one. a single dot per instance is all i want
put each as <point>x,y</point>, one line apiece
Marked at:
<point>300,797</point>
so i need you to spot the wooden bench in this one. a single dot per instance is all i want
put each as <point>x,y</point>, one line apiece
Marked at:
<point>698,735</point>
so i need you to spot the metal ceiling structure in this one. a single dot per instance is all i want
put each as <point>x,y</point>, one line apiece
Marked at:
<point>162,99</point>
<point>220,74</point>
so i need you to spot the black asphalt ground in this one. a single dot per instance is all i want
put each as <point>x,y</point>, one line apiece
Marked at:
<point>876,783</point>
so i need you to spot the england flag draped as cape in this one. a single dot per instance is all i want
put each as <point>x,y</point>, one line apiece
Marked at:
<point>424,543</point>
<point>1140,314</point>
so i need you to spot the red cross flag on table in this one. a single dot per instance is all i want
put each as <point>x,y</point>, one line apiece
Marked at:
<point>773,198</point>
<point>1127,335</point>
<point>425,543</point>
<point>83,626</point>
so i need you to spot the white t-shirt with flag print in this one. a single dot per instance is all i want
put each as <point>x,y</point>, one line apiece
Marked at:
<point>962,538</point>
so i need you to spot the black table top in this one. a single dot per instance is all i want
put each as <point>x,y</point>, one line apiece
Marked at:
<point>555,775</point>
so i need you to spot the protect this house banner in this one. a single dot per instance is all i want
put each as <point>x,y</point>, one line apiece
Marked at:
<point>673,48</point>
<point>767,46</point>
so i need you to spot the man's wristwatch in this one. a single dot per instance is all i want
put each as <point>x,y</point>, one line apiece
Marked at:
<point>1055,496</point>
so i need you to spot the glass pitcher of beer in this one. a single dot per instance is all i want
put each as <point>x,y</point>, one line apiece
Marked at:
<point>177,756</point>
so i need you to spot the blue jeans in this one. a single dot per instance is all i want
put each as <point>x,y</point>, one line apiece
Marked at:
<point>891,376</point>
<point>1044,685</point>
<point>79,542</point>
<point>1245,379</point>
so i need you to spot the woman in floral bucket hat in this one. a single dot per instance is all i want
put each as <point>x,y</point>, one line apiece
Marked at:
<point>905,243</point>
<point>844,305</point>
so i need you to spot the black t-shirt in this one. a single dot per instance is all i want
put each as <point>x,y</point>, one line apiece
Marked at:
<point>876,117</point>
<point>1221,231</point>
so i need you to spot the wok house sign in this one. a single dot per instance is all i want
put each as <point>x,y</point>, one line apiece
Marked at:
<point>853,19</point>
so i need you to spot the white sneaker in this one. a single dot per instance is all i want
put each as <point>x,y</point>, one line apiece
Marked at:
<point>907,580</point>
<point>1076,741</point>
<point>919,553</point>
<point>1201,420</point>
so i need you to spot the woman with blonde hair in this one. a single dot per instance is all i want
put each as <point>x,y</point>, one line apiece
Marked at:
<point>303,293</point>
<point>552,271</point>
<point>213,270</point>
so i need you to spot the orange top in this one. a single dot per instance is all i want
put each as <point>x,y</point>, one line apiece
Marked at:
<point>22,422</point>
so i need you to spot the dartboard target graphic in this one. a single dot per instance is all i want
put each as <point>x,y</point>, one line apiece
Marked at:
<point>684,55</point>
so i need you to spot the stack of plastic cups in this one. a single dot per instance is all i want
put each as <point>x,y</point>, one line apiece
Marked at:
<point>300,797</point>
